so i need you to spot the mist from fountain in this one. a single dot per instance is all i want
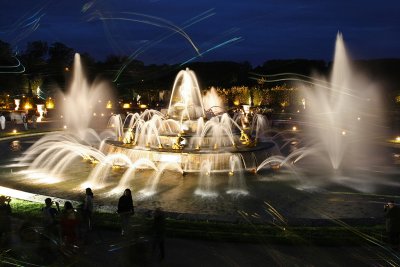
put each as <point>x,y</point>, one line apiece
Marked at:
<point>344,112</point>
<point>83,100</point>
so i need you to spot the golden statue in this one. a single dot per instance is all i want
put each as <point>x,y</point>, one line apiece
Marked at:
<point>129,137</point>
<point>179,142</point>
<point>245,139</point>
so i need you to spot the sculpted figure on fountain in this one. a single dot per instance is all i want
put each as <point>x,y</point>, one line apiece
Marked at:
<point>179,143</point>
<point>129,137</point>
<point>245,139</point>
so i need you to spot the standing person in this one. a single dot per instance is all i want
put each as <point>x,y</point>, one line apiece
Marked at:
<point>159,232</point>
<point>50,215</point>
<point>69,225</point>
<point>5,220</point>
<point>2,122</point>
<point>88,208</point>
<point>34,121</point>
<point>25,121</point>
<point>392,215</point>
<point>125,210</point>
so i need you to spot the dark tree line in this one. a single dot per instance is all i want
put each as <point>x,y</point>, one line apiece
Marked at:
<point>51,65</point>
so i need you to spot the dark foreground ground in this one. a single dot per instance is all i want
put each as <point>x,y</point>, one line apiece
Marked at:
<point>105,247</point>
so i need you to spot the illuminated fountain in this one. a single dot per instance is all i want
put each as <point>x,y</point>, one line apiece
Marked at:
<point>191,138</point>
<point>345,114</point>
<point>185,139</point>
<point>82,101</point>
<point>185,136</point>
<point>194,151</point>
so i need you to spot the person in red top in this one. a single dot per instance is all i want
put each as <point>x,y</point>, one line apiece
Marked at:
<point>69,225</point>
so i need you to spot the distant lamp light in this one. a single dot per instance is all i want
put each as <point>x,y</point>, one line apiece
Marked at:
<point>344,133</point>
<point>49,103</point>
<point>27,105</point>
<point>126,105</point>
<point>109,105</point>
<point>294,128</point>
<point>65,127</point>
<point>358,118</point>
<point>142,106</point>
<point>397,139</point>
<point>14,131</point>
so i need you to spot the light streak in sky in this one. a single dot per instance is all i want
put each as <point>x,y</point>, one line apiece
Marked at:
<point>157,22</point>
<point>233,40</point>
<point>25,25</point>
<point>304,79</point>
<point>19,68</point>
<point>149,45</point>
<point>151,20</point>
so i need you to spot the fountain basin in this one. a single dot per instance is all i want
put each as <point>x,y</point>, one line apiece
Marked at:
<point>191,159</point>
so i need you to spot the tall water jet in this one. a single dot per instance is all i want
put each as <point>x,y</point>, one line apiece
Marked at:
<point>212,102</point>
<point>206,183</point>
<point>237,182</point>
<point>186,102</point>
<point>83,100</point>
<point>345,111</point>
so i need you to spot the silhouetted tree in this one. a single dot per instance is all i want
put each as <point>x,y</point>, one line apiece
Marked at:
<point>60,62</point>
<point>34,59</point>
<point>10,76</point>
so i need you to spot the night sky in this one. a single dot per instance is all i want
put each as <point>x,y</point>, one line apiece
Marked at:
<point>175,31</point>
